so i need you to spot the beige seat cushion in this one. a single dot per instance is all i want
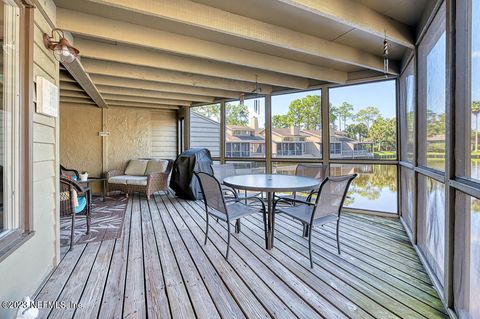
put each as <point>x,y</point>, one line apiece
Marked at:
<point>137,180</point>
<point>130,180</point>
<point>136,167</point>
<point>122,179</point>
<point>156,165</point>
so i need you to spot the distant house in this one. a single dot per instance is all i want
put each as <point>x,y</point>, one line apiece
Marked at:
<point>204,133</point>
<point>249,141</point>
<point>243,141</point>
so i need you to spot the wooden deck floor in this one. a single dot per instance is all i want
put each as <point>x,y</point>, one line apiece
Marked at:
<point>160,268</point>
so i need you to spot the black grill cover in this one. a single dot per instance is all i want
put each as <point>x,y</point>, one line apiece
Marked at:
<point>183,182</point>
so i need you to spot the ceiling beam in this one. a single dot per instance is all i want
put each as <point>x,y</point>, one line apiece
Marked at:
<point>103,81</point>
<point>358,16</point>
<point>70,86</point>
<point>114,69</point>
<point>166,61</point>
<point>76,100</point>
<point>143,105</point>
<point>214,20</point>
<point>134,99</point>
<point>77,94</point>
<point>109,90</point>
<point>64,77</point>
<point>77,71</point>
<point>123,32</point>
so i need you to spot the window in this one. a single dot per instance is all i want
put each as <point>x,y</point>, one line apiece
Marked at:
<point>407,111</point>
<point>474,113</point>
<point>297,118</point>
<point>243,168</point>
<point>375,187</point>
<point>245,128</point>
<point>10,214</point>
<point>432,94</point>
<point>407,181</point>
<point>205,128</point>
<point>431,223</point>
<point>335,148</point>
<point>467,256</point>
<point>364,114</point>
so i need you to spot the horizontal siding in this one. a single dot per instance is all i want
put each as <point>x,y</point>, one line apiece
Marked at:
<point>204,133</point>
<point>36,258</point>
<point>163,135</point>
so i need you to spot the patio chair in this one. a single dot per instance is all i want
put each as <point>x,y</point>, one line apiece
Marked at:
<point>67,203</point>
<point>222,171</point>
<point>69,172</point>
<point>317,171</point>
<point>226,210</point>
<point>326,208</point>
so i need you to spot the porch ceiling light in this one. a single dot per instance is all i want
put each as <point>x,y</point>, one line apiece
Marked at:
<point>62,50</point>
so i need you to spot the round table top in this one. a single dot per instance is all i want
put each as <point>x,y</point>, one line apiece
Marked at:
<point>271,183</point>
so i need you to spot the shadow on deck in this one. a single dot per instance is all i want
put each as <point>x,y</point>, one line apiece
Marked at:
<point>160,268</point>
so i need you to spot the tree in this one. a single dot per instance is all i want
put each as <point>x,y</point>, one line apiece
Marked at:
<point>383,134</point>
<point>211,111</point>
<point>344,113</point>
<point>281,121</point>
<point>357,131</point>
<point>475,109</point>
<point>305,112</point>
<point>236,114</point>
<point>332,113</point>
<point>367,115</point>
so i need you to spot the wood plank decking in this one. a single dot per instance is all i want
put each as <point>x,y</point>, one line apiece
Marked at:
<point>160,268</point>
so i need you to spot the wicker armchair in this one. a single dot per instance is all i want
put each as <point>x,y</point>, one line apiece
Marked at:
<point>156,182</point>
<point>69,172</point>
<point>67,207</point>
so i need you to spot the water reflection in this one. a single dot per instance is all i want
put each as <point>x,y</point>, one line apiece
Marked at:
<point>375,187</point>
<point>435,224</point>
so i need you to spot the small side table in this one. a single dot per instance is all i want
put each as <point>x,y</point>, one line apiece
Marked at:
<point>102,180</point>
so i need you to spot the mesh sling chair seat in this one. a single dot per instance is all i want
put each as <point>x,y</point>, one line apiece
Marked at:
<point>317,171</point>
<point>222,171</point>
<point>67,205</point>
<point>326,208</point>
<point>226,210</point>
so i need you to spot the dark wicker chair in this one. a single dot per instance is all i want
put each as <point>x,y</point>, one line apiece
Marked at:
<point>69,172</point>
<point>67,208</point>
<point>156,182</point>
<point>220,208</point>
<point>326,208</point>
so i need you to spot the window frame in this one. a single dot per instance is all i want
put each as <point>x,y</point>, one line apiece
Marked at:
<point>17,237</point>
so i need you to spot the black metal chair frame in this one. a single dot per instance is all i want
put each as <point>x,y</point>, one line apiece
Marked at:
<point>307,228</point>
<point>292,200</point>
<point>227,217</point>
<point>74,186</point>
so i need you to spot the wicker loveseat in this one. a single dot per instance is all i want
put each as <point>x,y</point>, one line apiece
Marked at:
<point>141,175</point>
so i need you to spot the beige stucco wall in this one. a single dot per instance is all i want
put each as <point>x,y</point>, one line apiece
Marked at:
<point>133,133</point>
<point>80,143</point>
<point>22,272</point>
<point>130,135</point>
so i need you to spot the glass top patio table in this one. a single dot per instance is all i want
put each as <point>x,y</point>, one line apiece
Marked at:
<point>271,183</point>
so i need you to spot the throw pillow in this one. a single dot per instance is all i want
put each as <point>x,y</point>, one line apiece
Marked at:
<point>136,167</point>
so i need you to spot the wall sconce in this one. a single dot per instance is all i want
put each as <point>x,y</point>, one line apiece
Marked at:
<point>62,50</point>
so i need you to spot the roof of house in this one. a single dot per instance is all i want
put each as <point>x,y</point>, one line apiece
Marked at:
<point>240,128</point>
<point>286,132</point>
<point>244,138</point>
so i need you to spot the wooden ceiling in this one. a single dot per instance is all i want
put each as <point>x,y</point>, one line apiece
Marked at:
<point>169,54</point>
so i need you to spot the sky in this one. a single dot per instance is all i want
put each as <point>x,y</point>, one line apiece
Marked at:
<point>476,50</point>
<point>379,94</point>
